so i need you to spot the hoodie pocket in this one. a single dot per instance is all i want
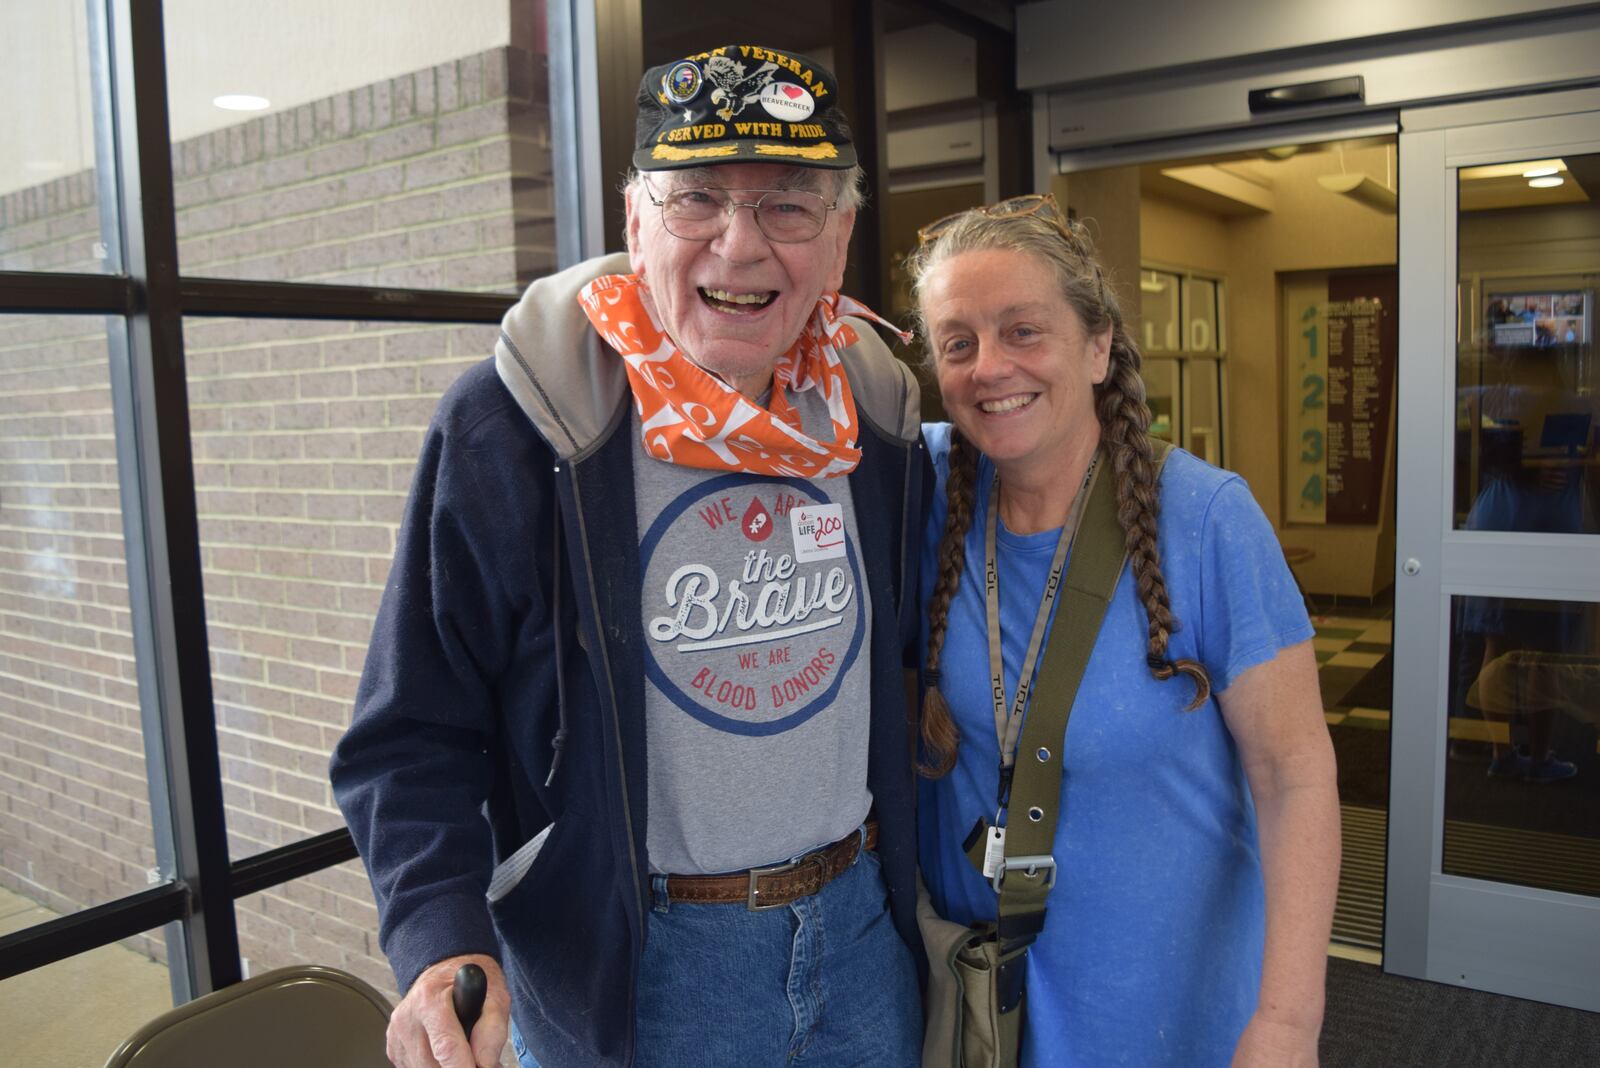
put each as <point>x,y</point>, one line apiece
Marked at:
<point>509,872</point>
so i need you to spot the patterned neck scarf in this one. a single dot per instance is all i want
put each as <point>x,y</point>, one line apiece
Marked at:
<point>691,417</point>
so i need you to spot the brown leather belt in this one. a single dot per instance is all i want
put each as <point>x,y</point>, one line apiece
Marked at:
<point>779,884</point>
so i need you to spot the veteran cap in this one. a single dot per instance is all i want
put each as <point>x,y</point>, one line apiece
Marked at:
<point>741,104</point>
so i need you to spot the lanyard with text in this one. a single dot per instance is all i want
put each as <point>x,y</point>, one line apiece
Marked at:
<point>1008,725</point>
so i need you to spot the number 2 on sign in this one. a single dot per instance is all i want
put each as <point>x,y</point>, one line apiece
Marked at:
<point>1313,399</point>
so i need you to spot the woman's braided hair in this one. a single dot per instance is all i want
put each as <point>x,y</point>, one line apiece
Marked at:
<point>1124,433</point>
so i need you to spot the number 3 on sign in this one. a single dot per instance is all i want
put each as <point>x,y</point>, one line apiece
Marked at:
<point>1312,440</point>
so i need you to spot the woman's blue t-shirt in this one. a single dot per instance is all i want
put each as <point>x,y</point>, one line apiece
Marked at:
<point>1151,950</point>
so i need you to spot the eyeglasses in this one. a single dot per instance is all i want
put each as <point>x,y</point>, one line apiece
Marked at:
<point>1041,204</point>
<point>784,215</point>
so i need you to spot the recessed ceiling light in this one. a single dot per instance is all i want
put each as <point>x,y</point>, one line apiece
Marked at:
<point>1541,172</point>
<point>1549,182</point>
<point>241,102</point>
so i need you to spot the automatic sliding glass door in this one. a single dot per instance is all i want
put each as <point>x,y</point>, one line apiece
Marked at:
<point>1494,848</point>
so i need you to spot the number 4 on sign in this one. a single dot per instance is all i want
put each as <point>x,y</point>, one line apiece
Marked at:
<point>1312,491</point>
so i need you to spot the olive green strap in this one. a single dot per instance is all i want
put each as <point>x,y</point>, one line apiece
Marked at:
<point>1098,555</point>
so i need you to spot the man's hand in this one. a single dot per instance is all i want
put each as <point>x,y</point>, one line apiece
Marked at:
<point>424,1031</point>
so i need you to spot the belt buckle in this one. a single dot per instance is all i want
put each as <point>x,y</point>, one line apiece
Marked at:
<point>750,901</point>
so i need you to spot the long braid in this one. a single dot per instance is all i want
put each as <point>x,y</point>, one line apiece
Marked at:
<point>1124,422</point>
<point>940,737</point>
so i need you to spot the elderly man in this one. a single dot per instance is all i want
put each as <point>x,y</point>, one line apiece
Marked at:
<point>631,733</point>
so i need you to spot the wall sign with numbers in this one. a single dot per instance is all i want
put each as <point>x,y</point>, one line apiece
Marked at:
<point>1341,336</point>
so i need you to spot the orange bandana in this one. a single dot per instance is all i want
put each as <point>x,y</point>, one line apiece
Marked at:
<point>691,417</point>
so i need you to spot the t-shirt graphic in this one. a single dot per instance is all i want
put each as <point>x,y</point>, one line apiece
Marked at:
<point>755,614</point>
<point>752,598</point>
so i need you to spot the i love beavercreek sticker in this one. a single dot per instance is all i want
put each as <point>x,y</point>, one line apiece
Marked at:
<point>752,602</point>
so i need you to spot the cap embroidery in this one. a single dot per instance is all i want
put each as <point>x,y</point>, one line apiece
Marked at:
<point>822,151</point>
<point>673,152</point>
<point>734,89</point>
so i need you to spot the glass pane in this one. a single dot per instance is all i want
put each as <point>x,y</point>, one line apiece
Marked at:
<point>1200,315</point>
<point>76,829</point>
<point>49,203</point>
<point>77,1011</point>
<point>305,435</point>
<point>327,917</point>
<point>324,918</point>
<point>1522,790</point>
<point>370,157</point>
<point>1202,415</point>
<point>1527,377</point>
<point>1161,392</point>
<point>1158,307</point>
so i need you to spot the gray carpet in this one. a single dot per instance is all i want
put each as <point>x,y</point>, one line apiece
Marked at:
<point>1384,1020</point>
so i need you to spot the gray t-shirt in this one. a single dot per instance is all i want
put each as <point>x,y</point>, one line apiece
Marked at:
<point>756,619</point>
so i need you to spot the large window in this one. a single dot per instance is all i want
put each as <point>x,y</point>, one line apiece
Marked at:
<point>206,444</point>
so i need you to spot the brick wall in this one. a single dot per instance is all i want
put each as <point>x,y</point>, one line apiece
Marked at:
<point>304,435</point>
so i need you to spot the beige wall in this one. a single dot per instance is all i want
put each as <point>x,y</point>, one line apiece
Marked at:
<point>1108,204</point>
<point>1175,235</point>
<point>1308,229</point>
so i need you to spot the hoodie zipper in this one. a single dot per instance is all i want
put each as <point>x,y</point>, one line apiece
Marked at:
<point>616,727</point>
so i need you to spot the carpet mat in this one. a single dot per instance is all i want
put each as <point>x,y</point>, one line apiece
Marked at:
<point>1374,1019</point>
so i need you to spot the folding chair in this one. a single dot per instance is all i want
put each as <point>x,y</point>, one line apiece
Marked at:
<point>307,1016</point>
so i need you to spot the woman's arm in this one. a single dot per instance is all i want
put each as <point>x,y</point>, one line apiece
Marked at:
<point>1274,712</point>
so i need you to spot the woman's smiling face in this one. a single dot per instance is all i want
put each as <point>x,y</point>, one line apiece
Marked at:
<point>1015,364</point>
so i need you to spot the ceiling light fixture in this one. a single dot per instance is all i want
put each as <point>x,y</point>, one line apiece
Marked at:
<point>241,102</point>
<point>1541,172</point>
<point>1361,189</point>
<point>1547,182</point>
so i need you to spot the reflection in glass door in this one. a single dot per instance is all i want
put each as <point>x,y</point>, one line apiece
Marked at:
<point>1495,843</point>
<point>1522,796</point>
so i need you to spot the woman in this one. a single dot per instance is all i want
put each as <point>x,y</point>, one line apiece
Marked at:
<point>1198,840</point>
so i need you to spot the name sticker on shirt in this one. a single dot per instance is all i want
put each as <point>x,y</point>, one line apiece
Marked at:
<point>818,532</point>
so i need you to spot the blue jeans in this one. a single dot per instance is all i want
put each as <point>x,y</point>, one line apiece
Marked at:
<point>824,981</point>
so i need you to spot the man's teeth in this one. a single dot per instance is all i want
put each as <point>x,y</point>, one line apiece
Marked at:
<point>1009,404</point>
<point>738,298</point>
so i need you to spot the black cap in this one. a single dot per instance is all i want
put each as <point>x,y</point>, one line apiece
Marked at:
<point>741,104</point>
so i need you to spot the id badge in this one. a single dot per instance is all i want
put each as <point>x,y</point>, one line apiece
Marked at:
<point>994,852</point>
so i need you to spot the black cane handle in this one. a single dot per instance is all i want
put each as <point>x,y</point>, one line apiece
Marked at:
<point>467,994</point>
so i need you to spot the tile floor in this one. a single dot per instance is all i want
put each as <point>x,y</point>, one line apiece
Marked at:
<point>74,1013</point>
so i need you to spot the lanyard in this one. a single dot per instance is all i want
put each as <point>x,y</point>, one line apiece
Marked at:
<point>1008,725</point>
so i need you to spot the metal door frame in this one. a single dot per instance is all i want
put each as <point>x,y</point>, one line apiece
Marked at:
<point>1489,936</point>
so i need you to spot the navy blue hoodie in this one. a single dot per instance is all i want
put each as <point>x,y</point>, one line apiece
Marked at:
<point>503,692</point>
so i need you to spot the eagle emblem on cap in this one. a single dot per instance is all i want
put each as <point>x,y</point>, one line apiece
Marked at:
<point>734,88</point>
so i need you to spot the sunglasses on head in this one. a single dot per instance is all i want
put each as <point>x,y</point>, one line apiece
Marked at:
<point>1041,204</point>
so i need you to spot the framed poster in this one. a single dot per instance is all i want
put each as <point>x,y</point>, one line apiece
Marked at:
<point>1341,335</point>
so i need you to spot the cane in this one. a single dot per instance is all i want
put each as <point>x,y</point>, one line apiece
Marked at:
<point>467,994</point>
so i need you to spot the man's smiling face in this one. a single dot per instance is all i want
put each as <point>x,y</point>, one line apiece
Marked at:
<point>738,301</point>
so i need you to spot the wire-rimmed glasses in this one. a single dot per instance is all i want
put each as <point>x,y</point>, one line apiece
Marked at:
<point>788,216</point>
